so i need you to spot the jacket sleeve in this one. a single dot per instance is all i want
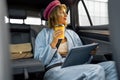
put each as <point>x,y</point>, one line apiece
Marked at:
<point>43,50</point>
<point>76,39</point>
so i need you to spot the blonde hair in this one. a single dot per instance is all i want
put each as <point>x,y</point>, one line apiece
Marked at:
<point>52,20</point>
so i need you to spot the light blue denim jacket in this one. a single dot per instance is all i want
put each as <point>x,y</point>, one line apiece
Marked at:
<point>43,50</point>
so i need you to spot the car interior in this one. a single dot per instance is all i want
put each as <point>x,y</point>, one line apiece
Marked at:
<point>28,68</point>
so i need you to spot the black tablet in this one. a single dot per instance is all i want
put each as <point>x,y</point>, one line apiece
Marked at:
<point>79,55</point>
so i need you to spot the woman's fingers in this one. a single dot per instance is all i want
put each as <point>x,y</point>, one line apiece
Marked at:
<point>93,52</point>
<point>57,33</point>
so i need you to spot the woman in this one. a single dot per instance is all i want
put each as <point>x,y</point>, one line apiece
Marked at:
<point>45,47</point>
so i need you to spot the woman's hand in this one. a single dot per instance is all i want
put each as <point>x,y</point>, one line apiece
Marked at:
<point>93,52</point>
<point>56,35</point>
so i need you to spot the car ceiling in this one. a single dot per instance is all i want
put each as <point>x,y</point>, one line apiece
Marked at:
<point>34,4</point>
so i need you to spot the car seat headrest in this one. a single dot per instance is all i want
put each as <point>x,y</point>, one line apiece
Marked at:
<point>19,27</point>
<point>17,14</point>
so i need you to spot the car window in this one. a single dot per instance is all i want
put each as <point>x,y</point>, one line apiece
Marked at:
<point>98,11</point>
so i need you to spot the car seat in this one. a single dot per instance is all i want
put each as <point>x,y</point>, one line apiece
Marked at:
<point>23,33</point>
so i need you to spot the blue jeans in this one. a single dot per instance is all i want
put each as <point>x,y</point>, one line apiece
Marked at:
<point>101,71</point>
<point>110,70</point>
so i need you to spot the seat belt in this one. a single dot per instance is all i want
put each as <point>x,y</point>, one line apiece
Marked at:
<point>57,46</point>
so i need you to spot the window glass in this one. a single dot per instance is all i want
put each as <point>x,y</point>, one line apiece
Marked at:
<point>98,11</point>
<point>68,17</point>
<point>17,21</point>
<point>83,19</point>
<point>33,20</point>
<point>6,19</point>
<point>9,20</point>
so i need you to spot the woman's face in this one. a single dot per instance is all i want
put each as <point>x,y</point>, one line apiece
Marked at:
<point>62,16</point>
